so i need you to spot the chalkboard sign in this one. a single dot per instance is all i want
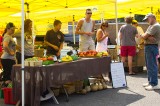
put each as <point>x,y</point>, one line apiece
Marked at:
<point>118,75</point>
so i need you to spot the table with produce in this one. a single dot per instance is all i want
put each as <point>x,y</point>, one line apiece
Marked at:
<point>44,72</point>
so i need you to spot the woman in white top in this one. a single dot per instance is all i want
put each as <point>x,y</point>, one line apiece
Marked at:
<point>102,37</point>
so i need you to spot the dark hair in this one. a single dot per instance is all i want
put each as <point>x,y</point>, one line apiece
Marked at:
<point>26,25</point>
<point>56,22</point>
<point>128,20</point>
<point>88,10</point>
<point>104,23</point>
<point>8,26</point>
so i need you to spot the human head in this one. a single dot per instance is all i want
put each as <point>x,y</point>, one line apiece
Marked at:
<point>57,24</point>
<point>104,25</point>
<point>10,28</point>
<point>128,20</point>
<point>134,23</point>
<point>88,13</point>
<point>28,25</point>
<point>150,18</point>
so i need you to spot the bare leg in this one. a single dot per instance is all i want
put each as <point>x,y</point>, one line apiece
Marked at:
<point>130,58</point>
<point>123,59</point>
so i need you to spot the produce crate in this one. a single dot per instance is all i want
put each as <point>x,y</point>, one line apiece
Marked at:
<point>70,88</point>
<point>78,85</point>
<point>8,98</point>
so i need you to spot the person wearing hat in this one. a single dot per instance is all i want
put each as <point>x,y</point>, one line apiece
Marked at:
<point>151,38</point>
<point>139,40</point>
<point>8,56</point>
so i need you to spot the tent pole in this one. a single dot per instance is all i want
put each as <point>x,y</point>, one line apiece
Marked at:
<point>74,39</point>
<point>102,16</point>
<point>116,14</point>
<point>22,52</point>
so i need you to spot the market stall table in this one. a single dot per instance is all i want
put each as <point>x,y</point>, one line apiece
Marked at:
<point>38,79</point>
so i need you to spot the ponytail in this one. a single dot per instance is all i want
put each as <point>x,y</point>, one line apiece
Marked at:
<point>4,32</point>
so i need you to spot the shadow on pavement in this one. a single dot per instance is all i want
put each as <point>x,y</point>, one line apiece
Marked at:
<point>109,97</point>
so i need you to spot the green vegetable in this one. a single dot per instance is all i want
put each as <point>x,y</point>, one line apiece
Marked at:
<point>74,57</point>
<point>47,62</point>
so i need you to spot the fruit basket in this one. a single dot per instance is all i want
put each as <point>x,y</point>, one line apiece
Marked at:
<point>70,88</point>
<point>35,61</point>
<point>92,54</point>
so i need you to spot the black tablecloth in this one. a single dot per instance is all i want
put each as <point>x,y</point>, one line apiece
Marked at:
<point>38,79</point>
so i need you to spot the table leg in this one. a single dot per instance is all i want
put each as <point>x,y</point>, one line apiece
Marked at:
<point>67,97</point>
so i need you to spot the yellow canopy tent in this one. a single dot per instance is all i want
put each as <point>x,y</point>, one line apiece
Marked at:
<point>44,10</point>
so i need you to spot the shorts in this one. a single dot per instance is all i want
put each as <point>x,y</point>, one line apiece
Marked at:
<point>128,51</point>
<point>85,46</point>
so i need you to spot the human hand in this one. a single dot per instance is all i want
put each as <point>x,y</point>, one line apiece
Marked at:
<point>12,53</point>
<point>89,33</point>
<point>58,53</point>
<point>151,38</point>
<point>106,34</point>
<point>55,47</point>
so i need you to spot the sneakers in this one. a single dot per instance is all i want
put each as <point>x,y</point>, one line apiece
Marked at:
<point>146,84</point>
<point>150,87</point>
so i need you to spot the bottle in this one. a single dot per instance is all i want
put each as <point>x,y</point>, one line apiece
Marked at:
<point>54,58</point>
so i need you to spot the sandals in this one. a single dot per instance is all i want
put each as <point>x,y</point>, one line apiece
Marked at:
<point>132,73</point>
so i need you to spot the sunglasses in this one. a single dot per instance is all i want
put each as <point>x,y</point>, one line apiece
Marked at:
<point>89,13</point>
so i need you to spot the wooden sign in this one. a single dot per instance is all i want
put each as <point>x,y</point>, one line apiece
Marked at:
<point>118,75</point>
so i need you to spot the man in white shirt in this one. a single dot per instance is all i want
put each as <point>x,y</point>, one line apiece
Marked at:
<point>85,28</point>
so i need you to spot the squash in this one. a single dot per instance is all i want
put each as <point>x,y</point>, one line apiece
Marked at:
<point>100,87</point>
<point>94,87</point>
<point>88,88</point>
<point>83,91</point>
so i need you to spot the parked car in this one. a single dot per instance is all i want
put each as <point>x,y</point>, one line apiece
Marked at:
<point>68,38</point>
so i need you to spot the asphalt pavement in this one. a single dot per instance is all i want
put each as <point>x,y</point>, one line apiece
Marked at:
<point>133,95</point>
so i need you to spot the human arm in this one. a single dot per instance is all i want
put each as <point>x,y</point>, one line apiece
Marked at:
<point>18,47</point>
<point>100,36</point>
<point>6,47</point>
<point>148,36</point>
<point>145,36</point>
<point>51,45</point>
<point>61,43</point>
<point>60,48</point>
<point>120,35</point>
<point>79,25</point>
